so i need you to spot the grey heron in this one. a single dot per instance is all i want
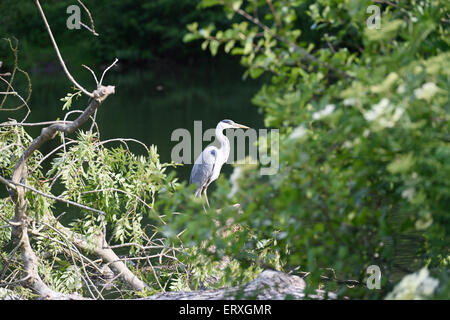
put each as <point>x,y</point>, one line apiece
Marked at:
<point>207,167</point>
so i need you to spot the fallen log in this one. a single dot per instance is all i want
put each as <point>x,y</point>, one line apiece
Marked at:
<point>269,285</point>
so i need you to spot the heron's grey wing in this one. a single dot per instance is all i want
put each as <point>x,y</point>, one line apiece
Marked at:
<point>203,167</point>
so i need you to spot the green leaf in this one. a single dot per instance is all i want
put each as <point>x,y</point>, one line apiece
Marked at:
<point>214,46</point>
<point>401,164</point>
<point>230,44</point>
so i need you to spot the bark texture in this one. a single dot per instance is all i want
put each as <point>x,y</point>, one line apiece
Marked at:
<point>269,285</point>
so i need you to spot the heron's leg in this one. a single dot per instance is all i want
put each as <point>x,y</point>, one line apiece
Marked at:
<point>206,196</point>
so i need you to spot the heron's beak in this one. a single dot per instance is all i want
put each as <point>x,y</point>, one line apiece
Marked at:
<point>237,125</point>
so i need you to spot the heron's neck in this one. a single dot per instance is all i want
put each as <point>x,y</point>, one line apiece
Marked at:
<point>224,142</point>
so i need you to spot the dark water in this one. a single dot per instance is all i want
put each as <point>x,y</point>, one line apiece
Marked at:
<point>149,105</point>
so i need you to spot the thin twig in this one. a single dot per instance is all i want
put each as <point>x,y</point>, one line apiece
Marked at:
<point>58,53</point>
<point>75,204</point>
<point>106,70</point>
<point>12,75</point>
<point>274,12</point>
<point>93,74</point>
<point>92,29</point>
<point>8,183</point>
<point>32,124</point>
<point>24,102</point>
<point>123,140</point>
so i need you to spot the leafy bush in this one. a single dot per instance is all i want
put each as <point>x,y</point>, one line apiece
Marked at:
<point>112,180</point>
<point>364,140</point>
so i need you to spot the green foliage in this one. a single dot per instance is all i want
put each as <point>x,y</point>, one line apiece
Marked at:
<point>364,138</point>
<point>113,180</point>
<point>364,149</point>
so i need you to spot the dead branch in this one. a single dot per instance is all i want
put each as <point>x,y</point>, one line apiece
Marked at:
<point>307,56</point>
<point>107,255</point>
<point>19,178</point>
<point>15,50</point>
<point>269,285</point>
<point>92,72</point>
<point>70,202</point>
<point>92,28</point>
<point>124,141</point>
<point>33,124</point>
<point>106,70</point>
<point>58,53</point>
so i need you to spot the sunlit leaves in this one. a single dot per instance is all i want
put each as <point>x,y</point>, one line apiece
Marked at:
<point>104,175</point>
<point>68,99</point>
<point>362,160</point>
<point>112,180</point>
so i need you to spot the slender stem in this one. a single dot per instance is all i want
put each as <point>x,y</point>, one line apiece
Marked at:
<point>81,206</point>
<point>33,124</point>
<point>294,46</point>
<point>58,53</point>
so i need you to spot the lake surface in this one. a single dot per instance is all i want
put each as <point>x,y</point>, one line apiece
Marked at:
<point>149,105</point>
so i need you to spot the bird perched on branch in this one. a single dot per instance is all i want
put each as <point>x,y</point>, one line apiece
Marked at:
<point>207,167</point>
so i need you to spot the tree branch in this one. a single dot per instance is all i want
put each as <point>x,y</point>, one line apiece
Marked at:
<point>75,204</point>
<point>269,285</point>
<point>19,177</point>
<point>92,28</point>
<point>274,12</point>
<point>309,57</point>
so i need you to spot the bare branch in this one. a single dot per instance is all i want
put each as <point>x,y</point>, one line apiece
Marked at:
<point>33,124</point>
<point>75,204</point>
<point>24,102</point>
<point>106,70</point>
<point>12,74</point>
<point>107,254</point>
<point>58,53</point>
<point>274,12</point>
<point>93,74</point>
<point>7,183</point>
<point>123,140</point>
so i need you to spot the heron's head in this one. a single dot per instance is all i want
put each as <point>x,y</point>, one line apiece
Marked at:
<point>225,124</point>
